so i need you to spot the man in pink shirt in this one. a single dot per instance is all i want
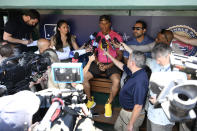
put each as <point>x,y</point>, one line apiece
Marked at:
<point>103,64</point>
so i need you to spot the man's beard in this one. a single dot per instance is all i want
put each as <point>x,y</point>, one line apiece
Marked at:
<point>138,35</point>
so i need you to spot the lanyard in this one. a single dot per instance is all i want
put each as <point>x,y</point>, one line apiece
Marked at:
<point>165,70</point>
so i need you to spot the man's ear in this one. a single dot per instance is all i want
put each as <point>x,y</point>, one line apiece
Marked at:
<point>144,31</point>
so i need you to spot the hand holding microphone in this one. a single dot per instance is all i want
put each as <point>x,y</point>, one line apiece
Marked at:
<point>75,58</point>
<point>104,44</point>
<point>91,37</point>
<point>107,37</point>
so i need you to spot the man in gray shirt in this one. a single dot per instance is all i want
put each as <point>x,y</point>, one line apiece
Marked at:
<point>164,36</point>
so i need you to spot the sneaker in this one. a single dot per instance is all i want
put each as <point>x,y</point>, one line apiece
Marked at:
<point>91,104</point>
<point>108,110</point>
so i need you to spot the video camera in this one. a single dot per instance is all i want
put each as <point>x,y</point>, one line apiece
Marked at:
<point>29,67</point>
<point>176,95</point>
<point>65,106</point>
<point>184,63</point>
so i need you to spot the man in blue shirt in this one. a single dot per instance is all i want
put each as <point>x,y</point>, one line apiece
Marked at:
<point>157,119</point>
<point>139,37</point>
<point>132,95</point>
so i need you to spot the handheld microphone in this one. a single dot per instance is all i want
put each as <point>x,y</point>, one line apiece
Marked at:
<point>104,44</point>
<point>96,42</point>
<point>107,37</point>
<point>116,40</point>
<point>75,58</point>
<point>91,37</point>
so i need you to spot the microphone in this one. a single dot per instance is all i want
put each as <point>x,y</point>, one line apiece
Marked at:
<point>107,37</point>
<point>91,37</point>
<point>75,58</point>
<point>96,42</point>
<point>116,40</point>
<point>104,44</point>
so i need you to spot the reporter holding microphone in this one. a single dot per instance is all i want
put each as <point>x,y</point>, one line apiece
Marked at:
<point>132,95</point>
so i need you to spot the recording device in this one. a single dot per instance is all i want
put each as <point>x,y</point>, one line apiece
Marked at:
<point>80,52</point>
<point>65,106</point>
<point>91,37</point>
<point>184,63</point>
<point>181,102</point>
<point>67,72</point>
<point>176,95</point>
<point>94,45</point>
<point>96,42</point>
<point>104,44</point>
<point>30,67</point>
<point>107,37</point>
<point>75,58</point>
<point>116,40</point>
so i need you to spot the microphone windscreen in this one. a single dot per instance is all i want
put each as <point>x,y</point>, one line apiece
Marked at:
<point>94,34</point>
<point>104,44</point>
<point>116,40</point>
<point>76,55</point>
<point>98,39</point>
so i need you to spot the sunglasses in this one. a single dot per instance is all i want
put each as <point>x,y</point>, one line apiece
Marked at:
<point>163,32</point>
<point>137,28</point>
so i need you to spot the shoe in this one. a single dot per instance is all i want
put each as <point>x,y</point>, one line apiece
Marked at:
<point>91,104</point>
<point>108,110</point>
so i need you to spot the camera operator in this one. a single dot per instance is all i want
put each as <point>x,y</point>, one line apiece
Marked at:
<point>157,119</point>
<point>43,45</point>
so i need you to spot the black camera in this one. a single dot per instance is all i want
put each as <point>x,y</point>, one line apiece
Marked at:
<point>29,67</point>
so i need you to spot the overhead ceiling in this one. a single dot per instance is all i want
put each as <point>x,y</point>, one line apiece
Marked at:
<point>100,4</point>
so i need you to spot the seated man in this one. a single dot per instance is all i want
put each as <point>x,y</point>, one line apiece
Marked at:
<point>104,65</point>
<point>140,38</point>
<point>132,95</point>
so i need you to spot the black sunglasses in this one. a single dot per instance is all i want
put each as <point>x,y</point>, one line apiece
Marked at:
<point>163,32</point>
<point>137,28</point>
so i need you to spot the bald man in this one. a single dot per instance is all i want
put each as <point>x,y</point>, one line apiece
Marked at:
<point>43,44</point>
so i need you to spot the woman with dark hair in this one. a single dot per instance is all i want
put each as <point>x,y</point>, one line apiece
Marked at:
<point>63,39</point>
